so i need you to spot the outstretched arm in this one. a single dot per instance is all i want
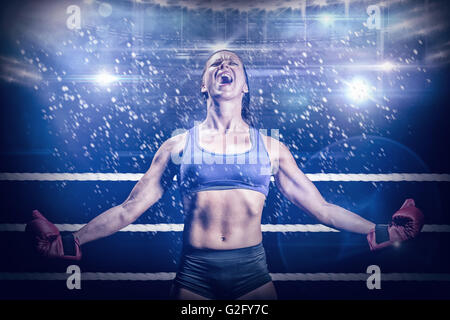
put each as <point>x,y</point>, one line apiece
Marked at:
<point>145,193</point>
<point>406,222</point>
<point>297,188</point>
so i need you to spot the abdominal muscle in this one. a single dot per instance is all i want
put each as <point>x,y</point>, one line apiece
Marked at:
<point>223,219</point>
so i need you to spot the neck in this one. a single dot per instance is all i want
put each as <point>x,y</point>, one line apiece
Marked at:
<point>224,116</point>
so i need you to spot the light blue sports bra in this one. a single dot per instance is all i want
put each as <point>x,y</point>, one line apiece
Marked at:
<point>203,170</point>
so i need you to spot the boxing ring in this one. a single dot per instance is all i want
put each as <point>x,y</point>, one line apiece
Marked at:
<point>75,141</point>
<point>292,280</point>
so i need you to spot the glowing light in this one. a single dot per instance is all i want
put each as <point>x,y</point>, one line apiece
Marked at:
<point>220,46</point>
<point>105,78</point>
<point>358,90</point>
<point>105,9</point>
<point>397,244</point>
<point>326,19</point>
<point>320,3</point>
<point>387,66</point>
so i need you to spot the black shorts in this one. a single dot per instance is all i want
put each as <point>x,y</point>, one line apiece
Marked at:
<point>222,274</point>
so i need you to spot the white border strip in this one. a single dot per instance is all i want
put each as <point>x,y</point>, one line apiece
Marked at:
<point>362,177</point>
<point>168,227</point>
<point>5,176</point>
<point>167,276</point>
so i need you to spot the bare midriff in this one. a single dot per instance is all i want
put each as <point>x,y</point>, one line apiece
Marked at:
<point>223,219</point>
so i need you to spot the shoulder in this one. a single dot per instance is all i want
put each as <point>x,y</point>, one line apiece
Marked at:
<point>274,147</point>
<point>176,143</point>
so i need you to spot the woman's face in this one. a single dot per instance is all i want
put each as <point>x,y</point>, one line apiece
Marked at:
<point>224,76</point>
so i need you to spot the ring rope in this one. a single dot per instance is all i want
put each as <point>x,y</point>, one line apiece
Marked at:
<point>361,177</point>
<point>172,227</point>
<point>166,276</point>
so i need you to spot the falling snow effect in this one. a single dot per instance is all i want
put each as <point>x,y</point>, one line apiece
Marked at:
<point>113,91</point>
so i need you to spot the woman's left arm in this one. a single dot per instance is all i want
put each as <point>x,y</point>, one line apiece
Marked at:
<point>298,189</point>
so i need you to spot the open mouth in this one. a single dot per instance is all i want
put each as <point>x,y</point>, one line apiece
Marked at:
<point>225,78</point>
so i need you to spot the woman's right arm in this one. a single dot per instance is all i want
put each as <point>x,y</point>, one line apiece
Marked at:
<point>145,193</point>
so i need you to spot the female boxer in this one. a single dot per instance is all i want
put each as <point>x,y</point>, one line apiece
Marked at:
<point>224,167</point>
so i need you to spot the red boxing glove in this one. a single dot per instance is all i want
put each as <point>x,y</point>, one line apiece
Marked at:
<point>48,242</point>
<point>406,224</point>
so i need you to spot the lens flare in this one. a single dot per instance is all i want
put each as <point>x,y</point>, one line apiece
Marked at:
<point>326,19</point>
<point>387,66</point>
<point>358,90</point>
<point>105,78</point>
